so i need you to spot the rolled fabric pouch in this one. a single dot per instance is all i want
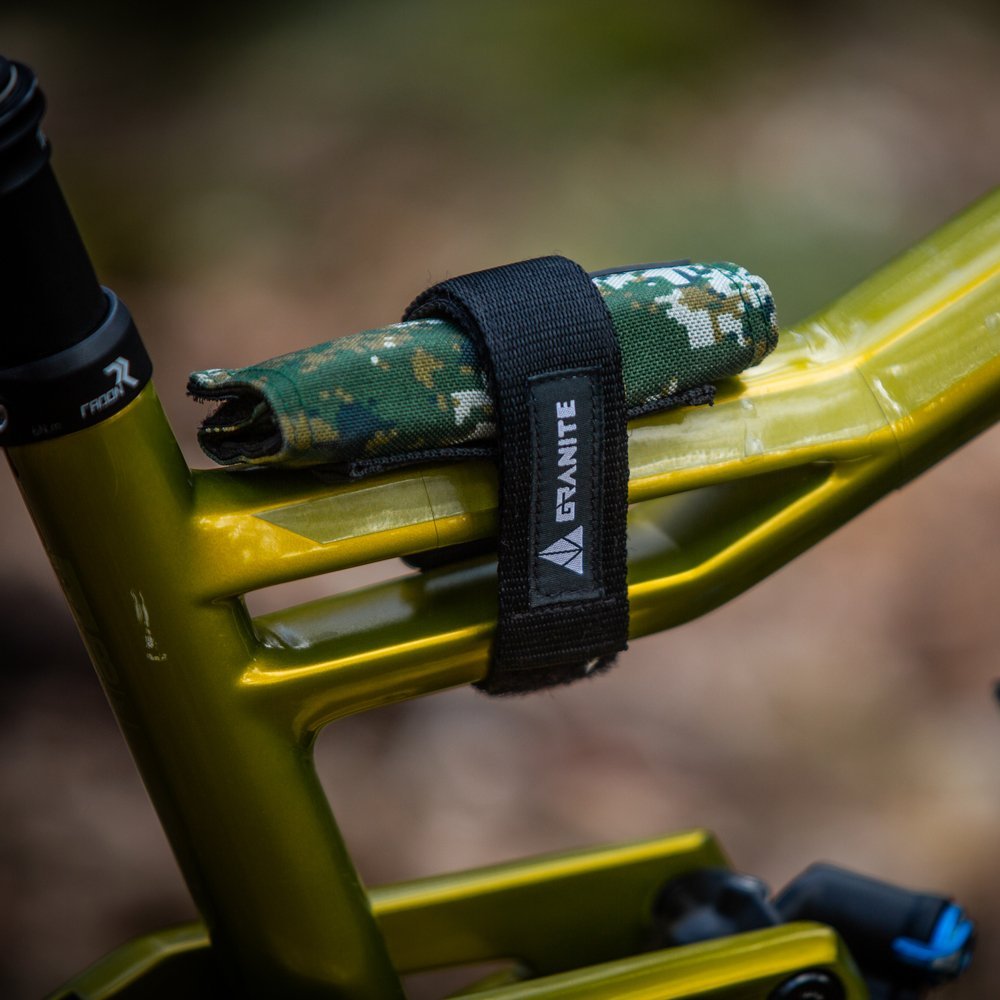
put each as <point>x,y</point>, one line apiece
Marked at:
<point>416,391</point>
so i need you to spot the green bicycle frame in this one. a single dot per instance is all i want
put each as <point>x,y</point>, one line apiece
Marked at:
<point>221,710</point>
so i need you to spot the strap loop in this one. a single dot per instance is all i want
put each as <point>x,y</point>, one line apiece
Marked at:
<point>553,365</point>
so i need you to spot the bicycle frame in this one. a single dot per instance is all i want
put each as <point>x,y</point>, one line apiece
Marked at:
<point>220,710</point>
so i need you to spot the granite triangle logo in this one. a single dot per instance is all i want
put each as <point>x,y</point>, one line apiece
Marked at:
<point>567,552</point>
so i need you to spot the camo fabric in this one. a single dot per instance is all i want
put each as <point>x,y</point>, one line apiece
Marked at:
<point>417,389</point>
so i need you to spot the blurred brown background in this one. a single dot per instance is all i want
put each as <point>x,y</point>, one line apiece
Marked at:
<point>253,178</point>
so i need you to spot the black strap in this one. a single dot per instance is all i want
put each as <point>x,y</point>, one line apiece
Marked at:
<point>554,368</point>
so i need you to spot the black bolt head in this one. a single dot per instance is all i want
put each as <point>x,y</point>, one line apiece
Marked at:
<point>810,986</point>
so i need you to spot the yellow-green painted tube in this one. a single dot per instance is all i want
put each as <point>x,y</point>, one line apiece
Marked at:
<point>220,710</point>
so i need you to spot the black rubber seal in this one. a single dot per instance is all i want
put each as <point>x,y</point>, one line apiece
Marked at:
<point>78,387</point>
<point>23,146</point>
<point>553,366</point>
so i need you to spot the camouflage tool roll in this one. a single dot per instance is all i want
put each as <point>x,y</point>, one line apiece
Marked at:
<point>416,391</point>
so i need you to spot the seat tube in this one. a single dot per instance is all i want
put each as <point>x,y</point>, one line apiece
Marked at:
<point>236,791</point>
<point>113,500</point>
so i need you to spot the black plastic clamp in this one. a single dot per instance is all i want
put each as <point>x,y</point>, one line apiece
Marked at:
<point>77,387</point>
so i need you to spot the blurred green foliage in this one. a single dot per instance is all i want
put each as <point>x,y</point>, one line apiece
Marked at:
<point>775,136</point>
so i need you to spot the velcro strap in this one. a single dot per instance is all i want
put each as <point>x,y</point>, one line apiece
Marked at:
<point>553,364</point>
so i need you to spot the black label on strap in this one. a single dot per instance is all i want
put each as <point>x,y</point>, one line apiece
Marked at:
<point>566,476</point>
